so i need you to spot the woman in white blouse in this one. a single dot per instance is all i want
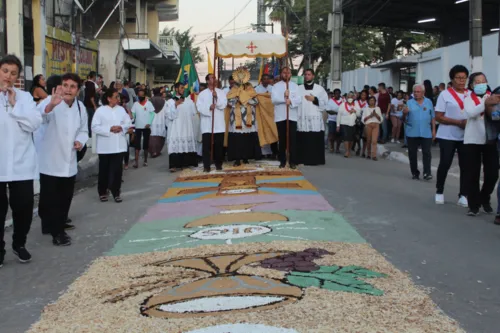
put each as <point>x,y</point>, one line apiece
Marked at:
<point>477,148</point>
<point>110,124</point>
<point>346,120</point>
<point>372,117</point>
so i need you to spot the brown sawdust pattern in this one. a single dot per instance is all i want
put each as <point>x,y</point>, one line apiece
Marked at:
<point>403,308</point>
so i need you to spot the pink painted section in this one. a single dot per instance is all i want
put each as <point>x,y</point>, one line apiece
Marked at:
<point>162,211</point>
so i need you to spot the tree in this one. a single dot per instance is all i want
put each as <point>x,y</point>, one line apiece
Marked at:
<point>186,41</point>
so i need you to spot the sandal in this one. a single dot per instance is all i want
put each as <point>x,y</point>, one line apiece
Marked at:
<point>125,167</point>
<point>118,199</point>
<point>172,170</point>
<point>135,166</point>
<point>145,164</point>
<point>103,198</point>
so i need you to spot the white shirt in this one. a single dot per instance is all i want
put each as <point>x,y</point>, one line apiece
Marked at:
<point>396,104</point>
<point>368,111</point>
<point>475,130</point>
<point>333,105</point>
<point>260,89</point>
<point>447,104</point>
<point>18,159</point>
<point>310,117</point>
<point>203,104</point>
<point>143,115</point>
<point>63,126</point>
<point>278,99</point>
<point>104,118</point>
<point>347,118</point>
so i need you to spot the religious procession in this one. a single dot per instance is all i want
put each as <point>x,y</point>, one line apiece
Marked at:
<point>327,167</point>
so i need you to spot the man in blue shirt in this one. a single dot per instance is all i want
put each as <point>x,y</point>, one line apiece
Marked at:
<point>420,130</point>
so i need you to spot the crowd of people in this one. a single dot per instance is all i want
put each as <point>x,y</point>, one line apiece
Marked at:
<point>49,131</point>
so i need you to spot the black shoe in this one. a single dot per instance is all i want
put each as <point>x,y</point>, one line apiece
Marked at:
<point>497,219</point>
<point>428,177</point>
<point>206,169</point>
<point>237,163</point>
<point>22,254</point>
<point>45,232</point>
<point>61,240</point>
<point>404,146</point>
<point>68,220</point>
<point>293,166</point>
<point>282,166</point>
<point>68,226</point>
<point>218,167</point>
<point>487,208</point>
<point>415,177</point>
<point>472,212</point>
<point>245,162</point>
<point>2,257</point>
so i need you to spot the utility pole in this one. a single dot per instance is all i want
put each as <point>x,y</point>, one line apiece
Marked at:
<point>336,22</point>
<point>476,35</point>
<point>307,54</point>
<point>261,19</point>
<point>120,63</point>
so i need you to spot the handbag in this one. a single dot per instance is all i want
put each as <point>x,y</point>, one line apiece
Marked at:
<point>80,154</point>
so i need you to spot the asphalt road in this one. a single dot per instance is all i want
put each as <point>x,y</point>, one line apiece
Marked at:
<point>453,255</point>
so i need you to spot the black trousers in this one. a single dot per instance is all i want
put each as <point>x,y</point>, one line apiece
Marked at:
<point>413,144</point>
<point>56,194</point>
<point>218,149</point>
<point>142,135</point>
<point>21,202</point>
<point>447,153</point>
<point>90,115</point>
<point>126,155</point>
<point>43,208</point>
<point>475,155</point>
<point>282,141</point>
<point>110,174</point>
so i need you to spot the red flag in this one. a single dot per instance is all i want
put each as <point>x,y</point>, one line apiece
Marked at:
<point>266,69</point>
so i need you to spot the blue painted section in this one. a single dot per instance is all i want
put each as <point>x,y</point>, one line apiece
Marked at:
<point>189,185</point>
<point>288,191</point>
<point>281,180</point>
<point>186,197</point>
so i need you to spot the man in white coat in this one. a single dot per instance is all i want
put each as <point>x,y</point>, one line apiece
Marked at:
<point>181,137</point>
<point>66,133</point>
<point>311,125</point>
<point>209,108</point>
<point>19,118</point>
<point>281,97</point>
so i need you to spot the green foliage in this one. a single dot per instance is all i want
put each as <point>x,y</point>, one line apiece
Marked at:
<point>337,278</point>
<point>186,42</point>
<point>361,46</point>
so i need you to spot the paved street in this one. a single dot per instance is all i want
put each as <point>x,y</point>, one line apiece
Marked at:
<point>453,256</point>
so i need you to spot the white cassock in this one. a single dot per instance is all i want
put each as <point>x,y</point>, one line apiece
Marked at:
<point>310,117</point>
<point>203,105</point>
<point>181,130</point>
<point>260,89</point>
<point>278,99</point>
<point>159,124</point>
<point>17,150</point>
<point>63,126</point>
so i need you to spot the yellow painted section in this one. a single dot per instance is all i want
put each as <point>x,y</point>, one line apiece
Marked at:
<point>59,34</point>
<point>39,42</point>
<point>14,15</point>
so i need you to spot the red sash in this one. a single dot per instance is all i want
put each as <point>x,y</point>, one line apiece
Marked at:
<point>338,103</point>
<point>361,105</point>
<point>457,98</point>
<point>348,107</point>
<point>476,100</point>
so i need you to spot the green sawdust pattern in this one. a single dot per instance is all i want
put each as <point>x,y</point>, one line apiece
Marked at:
<point>336,278</point>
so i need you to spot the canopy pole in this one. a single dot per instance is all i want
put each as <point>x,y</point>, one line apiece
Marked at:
<point>214,99</point>
<point>287,107</point>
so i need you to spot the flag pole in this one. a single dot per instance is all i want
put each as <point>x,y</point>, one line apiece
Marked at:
<point>213,99</point>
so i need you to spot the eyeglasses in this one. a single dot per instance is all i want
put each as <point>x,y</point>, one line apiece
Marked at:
<point>461,78</point>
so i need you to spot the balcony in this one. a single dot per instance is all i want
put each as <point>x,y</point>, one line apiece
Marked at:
<point>170,47</point>
<point>168,10</point>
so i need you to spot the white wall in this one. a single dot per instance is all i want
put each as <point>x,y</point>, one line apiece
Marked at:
<point>433,65</point>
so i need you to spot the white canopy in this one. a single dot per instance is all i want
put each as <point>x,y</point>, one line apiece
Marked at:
<point>252,45</point>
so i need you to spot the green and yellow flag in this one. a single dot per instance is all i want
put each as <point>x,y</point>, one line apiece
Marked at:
<point>188,76</point>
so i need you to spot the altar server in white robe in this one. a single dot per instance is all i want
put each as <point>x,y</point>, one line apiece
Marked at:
<point>182,136</point>
<point>209,109</point>
<point>266,86</point>
<point>19,118</point>
<point>310,125</point>
<point>281,97</point>
<point>110,124</point>
<point>66,133</point>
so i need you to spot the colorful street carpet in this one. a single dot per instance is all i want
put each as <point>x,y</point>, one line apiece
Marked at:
<point>251,249</point>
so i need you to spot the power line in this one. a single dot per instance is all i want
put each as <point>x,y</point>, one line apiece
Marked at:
<point>234,18</point>
<point>210,38</point>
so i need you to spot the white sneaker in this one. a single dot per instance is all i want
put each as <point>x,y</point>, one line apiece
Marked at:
<point>439,199</point>
<point>463,202</point>
<point>398,142</point>
<point>392,141</point>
